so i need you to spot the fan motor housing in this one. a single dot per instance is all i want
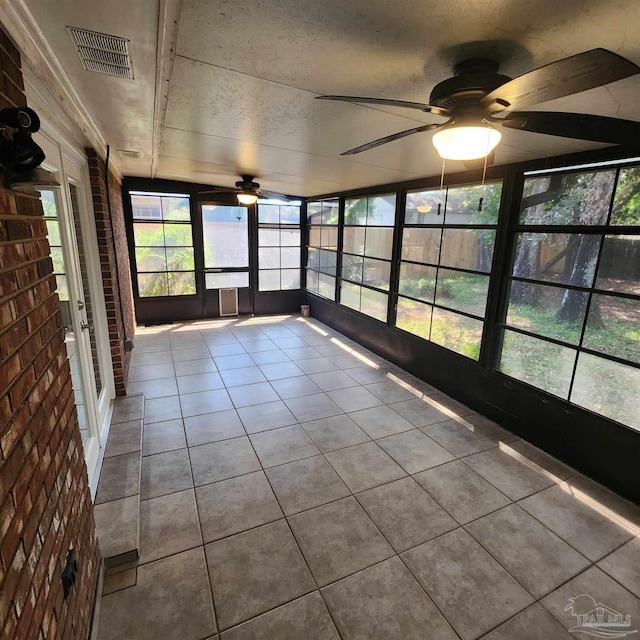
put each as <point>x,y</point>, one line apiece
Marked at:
<point>473,80</point>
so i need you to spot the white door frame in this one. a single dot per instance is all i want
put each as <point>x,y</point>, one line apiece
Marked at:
<point>71,167</point>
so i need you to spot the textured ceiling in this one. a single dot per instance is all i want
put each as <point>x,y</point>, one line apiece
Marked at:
<point>241,92</point>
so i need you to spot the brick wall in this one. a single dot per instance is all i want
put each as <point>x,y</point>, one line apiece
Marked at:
<point>44,493</point>
<point>114,262</point>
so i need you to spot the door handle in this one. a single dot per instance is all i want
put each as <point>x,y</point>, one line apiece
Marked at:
<point>85,326</point>
<point>80,305</point>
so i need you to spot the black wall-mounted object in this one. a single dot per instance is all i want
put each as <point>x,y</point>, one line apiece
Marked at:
<point>69,573</point>
<point>18,152</point>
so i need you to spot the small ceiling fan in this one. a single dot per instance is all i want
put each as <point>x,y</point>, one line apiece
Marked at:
<point>247,191</point>
<point>477,93</point>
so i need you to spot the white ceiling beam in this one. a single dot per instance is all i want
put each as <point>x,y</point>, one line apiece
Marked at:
<point>168,22</point>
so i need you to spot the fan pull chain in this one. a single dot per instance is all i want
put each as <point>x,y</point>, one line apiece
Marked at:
<point>441,183</point>
<point>484,175</point>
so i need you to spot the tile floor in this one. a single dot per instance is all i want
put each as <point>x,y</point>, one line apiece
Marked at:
<point>296,486</point>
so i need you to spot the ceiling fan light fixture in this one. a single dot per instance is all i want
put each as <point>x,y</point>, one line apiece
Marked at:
<point>466,142</point>
<point>247,198</point>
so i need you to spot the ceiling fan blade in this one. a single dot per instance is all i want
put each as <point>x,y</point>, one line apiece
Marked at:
<point>263,193</point>
<point>391,138</point>
<point>427,108</point>
<point>219,190</point>
<point>565,77</point>
<point>580,126</point>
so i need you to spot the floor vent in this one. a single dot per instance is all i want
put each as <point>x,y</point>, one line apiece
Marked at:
<point>102,53</point>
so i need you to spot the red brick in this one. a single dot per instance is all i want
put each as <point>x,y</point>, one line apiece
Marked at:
<point>44,493</point>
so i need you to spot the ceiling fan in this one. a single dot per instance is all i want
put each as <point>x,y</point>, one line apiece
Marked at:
<point>247,191</point>
<point>477,97</point>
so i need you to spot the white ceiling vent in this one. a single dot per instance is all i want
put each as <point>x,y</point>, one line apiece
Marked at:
<point>128,153</point>
<point>102,53</point>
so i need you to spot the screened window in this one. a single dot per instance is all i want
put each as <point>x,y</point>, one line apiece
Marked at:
<point>447,251</point>
<point>163,244</point>
<point>322,253</point>
<point>367,247</point>
<point>278,246</point>
<point>571,325</point>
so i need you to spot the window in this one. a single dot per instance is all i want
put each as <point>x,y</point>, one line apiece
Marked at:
<point>50,209</point>
<point>447,252</point>
<point>225,231</point>
<point>366,254</point>
<point>571,324</point>
<point>278,246</point>
<point>163,244</point>
<point>322,256</point>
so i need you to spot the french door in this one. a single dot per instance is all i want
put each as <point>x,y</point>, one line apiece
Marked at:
<point>72,238</point>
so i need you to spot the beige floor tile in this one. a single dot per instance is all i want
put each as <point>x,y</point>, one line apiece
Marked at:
<point>364,466</point>
<point>222,460</point>
<point>165,473</point>
<point>405,513</point>
<point>305,484</point>
<point>335,432</point>
<point>414,451</point>
<point>461,491</point>
<point>313,407</point>
<point>159,437</point>
<point>354,399</point>
<point>587,525</point>
<point>168,524</point>
<point>279,446</point>
<point>194,404</point>
<point>304,619</point>
<point>171,600</point>
<point>385,602</point>
<point>263,417</point>
<point>624,565</point>
<point>534,623</point>
<point>235,505</point>
<point>584,593</point>
<point>470,588</point>
<point>381,421</point>
<point>532,554</point>
<point>212,427</point>
<point>255,571</point>
<point>162,409</point>
<point>516,478</point>
<point>295,387</point>
<point>200,382</point>
<point>119,478</point>
<point>124,437</point>
<point>419,412</point>
<point>338,539</point>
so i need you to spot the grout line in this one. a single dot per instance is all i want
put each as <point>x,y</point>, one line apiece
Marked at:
<point>204,553</point>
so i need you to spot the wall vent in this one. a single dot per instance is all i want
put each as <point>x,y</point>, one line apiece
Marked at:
<point>102,53</point>
<point>129,153</point>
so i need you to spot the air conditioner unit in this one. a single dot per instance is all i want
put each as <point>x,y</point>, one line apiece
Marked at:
<point>228,302</point>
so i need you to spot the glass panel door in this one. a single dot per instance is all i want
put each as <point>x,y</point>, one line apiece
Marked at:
<point>86,379</point>
<point>225,231</point>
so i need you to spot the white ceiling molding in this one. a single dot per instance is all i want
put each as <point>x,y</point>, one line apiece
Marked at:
<point>27,35</point>
<point>168,22</point>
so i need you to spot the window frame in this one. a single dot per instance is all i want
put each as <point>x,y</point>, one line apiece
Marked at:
<point>439,267</point>
<point>602,232</point>
<point>279,226</point>
<point>161,221</point>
